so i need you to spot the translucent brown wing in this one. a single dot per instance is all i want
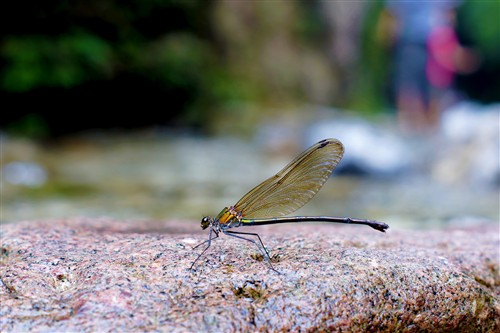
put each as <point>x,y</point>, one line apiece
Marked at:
<point>295,184</point>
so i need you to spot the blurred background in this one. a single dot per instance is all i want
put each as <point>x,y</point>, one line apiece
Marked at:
<point>169,109</point>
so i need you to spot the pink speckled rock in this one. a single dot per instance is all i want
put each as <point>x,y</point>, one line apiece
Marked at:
<point>86,275</point>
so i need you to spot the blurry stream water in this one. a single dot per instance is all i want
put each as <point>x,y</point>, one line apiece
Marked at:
<point>157,178</point>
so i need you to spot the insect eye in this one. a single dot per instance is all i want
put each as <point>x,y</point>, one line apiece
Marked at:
<point>205,222</point>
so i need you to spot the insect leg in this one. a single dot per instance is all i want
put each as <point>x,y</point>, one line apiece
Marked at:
<point>235,234</point>
<point>209,241</point>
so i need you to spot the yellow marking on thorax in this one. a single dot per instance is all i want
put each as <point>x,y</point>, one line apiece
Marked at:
<point>226,216</point>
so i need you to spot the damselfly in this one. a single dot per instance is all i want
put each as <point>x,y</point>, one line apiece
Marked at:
<point>282,194</point>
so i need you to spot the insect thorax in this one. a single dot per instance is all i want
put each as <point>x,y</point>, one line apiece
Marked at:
<point>229,217</point>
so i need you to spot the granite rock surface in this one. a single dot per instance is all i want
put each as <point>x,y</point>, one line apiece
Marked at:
<point>98,275</point>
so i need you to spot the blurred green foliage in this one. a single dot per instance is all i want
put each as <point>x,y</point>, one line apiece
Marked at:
<point>31,125</point>
<point>62,61</point>
<point>480,23</point>
<point>208,64</point>
<point>374,65</point>
<point>479,26</point>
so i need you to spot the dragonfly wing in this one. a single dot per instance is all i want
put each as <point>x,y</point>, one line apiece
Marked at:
<point>295,184</point>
